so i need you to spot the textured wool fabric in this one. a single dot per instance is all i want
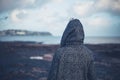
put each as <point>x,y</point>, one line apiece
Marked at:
<point>72,61</point>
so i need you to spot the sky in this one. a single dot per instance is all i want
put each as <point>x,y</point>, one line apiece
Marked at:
<point>98,17</point>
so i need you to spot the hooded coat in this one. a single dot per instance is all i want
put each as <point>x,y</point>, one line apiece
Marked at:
<point>72,61</point>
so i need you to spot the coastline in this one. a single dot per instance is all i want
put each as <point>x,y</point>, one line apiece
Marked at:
<point>18,60</point>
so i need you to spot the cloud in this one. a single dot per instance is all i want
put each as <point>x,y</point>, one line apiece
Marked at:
<point>84,8</point>
<point>51,18</point>
<point>112,6</point>
<point>45,18</point>
<point>88,8</point>
<point>53,15</point>
<point>58,1</point>
<point>101,25</point>
<point>98,22</point>
<point>14,16</point>
<point>22,14</point>
<point>18,15</point>
<point>9,5</point>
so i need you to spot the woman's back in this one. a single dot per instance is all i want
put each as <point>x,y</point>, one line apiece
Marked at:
<point>72,61</point>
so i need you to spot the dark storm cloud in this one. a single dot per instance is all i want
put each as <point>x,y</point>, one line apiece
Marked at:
<point>8,5</point>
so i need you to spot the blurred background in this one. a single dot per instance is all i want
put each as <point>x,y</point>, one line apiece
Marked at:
<point>100,18</point>
<point>31,30</point>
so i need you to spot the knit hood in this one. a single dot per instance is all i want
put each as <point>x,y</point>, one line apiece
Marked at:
<point>73,34</point>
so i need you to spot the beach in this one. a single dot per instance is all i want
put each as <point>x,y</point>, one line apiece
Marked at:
<point>31,60</point>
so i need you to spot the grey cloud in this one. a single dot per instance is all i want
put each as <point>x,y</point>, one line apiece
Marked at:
<point>8,5</point>
<point>89,8</point>
<point>111,6</point>
<point>21,15</point>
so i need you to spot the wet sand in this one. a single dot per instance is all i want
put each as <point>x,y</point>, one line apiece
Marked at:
<point>31,61</point>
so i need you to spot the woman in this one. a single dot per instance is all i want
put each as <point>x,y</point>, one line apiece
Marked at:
<point>72,61</point>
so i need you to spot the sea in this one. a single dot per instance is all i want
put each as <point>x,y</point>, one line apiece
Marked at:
<point>57,39</point>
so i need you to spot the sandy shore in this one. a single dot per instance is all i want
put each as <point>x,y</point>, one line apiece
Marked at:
<point>31,61</point>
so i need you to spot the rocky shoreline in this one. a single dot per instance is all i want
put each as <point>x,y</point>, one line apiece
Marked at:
<point>31,61</point>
